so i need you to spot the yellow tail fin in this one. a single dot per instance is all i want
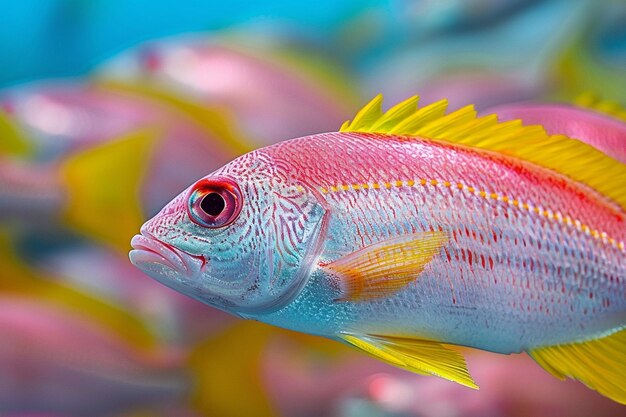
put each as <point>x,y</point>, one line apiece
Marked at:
<point>600,364</point>
<point>103,186</point>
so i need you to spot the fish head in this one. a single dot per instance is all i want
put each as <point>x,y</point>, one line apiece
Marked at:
<point>243,239</point>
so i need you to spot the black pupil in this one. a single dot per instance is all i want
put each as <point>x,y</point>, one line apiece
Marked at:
<point>213,204</point>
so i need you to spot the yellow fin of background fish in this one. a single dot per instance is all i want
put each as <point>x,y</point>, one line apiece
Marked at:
<point>301,64</point>
<point>308,67</point>
<point>600,364</point>
<point>384,268</point>
<point>420,356</point>
<point>18,280</point>
<point>104,186</point>
<point>228,373</point>
<point>216,122</point>
<point>595,102</point>
<point>577,160</point>
<point>12,141</point>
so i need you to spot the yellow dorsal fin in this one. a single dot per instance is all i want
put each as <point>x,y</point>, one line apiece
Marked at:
<point>367,116</point>
<point>103,185</point>
<point>600,364</point>
<point>608,107</point>
<point>398,112</point>
<point>575,159</point>
<point>384,268</point>
<point>12,141</point>
<point>423,357</point>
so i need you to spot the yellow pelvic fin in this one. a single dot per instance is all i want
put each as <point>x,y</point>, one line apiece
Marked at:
<point>384,268</point>
<point>12,140</point>
<point>608,107</point>
<point>103,186</point>
<point>600,364</point>
<point>577,160</point>
<point>424,357</point>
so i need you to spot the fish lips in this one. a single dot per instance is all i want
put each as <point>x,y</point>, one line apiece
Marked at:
<point>165,262</point>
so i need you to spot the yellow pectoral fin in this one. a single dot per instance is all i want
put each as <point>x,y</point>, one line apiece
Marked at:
<point>103,188</point>
<point>382,269</point>
<point>600,363</point>
<point>424,357</point>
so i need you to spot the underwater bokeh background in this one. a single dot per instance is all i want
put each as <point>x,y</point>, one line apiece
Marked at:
<point>110,108</point>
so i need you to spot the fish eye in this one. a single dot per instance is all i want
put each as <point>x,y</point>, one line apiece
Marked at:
<point>214,202</point>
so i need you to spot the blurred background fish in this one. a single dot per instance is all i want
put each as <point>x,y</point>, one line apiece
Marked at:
<point>108,109</point>
<point>269,90</point>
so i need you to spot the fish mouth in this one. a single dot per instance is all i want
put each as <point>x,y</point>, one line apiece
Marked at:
<point>150,255</point>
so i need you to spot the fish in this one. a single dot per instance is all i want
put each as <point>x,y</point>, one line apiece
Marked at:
<point>538,395</point>
<point>67,176</point>
<point>410,232</point>
<point>62,119</point>
<point>19,281</point>
<point>106,274</point>
<point>88,343</point>
<point>254,87</point>
<point>59,118</point>
<point>53,361</point>
<point>484,64</point>
<point>78,191</point>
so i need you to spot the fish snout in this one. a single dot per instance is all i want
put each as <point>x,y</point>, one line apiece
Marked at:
<point>151,255</point>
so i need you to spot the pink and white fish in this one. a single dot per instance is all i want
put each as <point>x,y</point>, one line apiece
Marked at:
<point>90,148</point>
<point>176,319</point>
<point>65,118</point>
<point>51,332</point>
<point>53,361</point>
<point>272,95</point>
<point>412,230</point>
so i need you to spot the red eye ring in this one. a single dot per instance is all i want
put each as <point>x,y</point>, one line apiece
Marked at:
<point>214,202</point>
